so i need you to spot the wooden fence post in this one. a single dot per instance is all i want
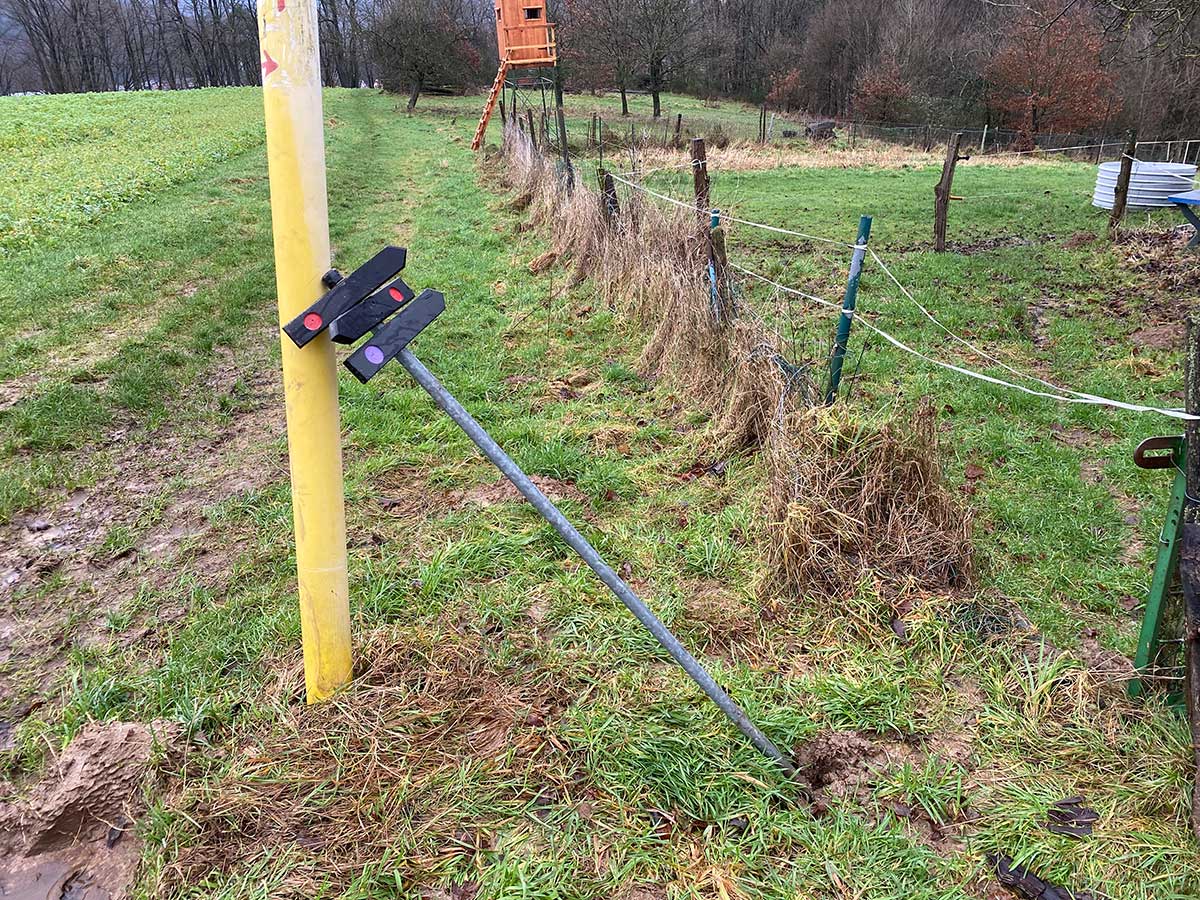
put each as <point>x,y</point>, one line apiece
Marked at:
<point>700,179</point>
<point>532,131</point>
<point>678,125</point>
<point>941,193</point>
<point>1121,192</point>
<point>762,124</point>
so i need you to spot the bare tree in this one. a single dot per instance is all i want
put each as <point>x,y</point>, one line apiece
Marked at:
<point>418,43</point>
<point>666,34</point>
<point>599,45</point>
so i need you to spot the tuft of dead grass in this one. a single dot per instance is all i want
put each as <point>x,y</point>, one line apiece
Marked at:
<point>845,498</point>
<point>434,740</point>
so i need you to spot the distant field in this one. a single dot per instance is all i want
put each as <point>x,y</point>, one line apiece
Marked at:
<point>66,161</point>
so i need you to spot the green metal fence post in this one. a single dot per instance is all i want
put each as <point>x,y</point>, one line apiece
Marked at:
<point>847,316</point>
<point>1165,566</point>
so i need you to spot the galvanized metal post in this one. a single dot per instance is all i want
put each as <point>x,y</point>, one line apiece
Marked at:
<point>580,545</point>
<point>848,303</point>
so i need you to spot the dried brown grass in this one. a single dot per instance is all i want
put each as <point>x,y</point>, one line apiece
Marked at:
<point>845,498</point>
<point>751,157</point>
<point>848,499</point>
<point>409,768</point>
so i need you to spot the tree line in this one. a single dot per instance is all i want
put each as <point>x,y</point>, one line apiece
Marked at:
<point>1033,65</point>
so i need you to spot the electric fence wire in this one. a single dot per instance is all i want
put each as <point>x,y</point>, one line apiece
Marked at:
<point>964,342</point>
<point>644,172</point>
<point>1086,399</point>
<point>1186,179</point>
<point>1113,143</point>
<point>726,218</point>
<point>1075,397</point>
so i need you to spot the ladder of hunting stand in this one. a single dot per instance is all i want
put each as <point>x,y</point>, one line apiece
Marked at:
<point>493,95</point>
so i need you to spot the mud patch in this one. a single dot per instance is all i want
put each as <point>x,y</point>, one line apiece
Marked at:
<point>999,242</point>
<point>721,622</point>
<point>73,834</point>
<point>1167,336</point>
<point>14,391</point>
<point>1107,667</point>
<point>1038,324</point>
<point>837,763</point>
<point>68,569</point>
<point>405,492</point>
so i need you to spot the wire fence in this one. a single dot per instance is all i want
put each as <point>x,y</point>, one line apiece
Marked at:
<point>1012,379</point>
<point>780,129</point>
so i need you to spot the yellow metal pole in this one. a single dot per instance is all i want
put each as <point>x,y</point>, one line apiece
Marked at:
<point>299,219</point>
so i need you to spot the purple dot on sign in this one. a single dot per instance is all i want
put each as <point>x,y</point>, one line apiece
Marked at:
<point>374,355</point>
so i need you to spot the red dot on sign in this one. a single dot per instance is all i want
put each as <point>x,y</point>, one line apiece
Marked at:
<point>396,295</point>
<point>313,321</point>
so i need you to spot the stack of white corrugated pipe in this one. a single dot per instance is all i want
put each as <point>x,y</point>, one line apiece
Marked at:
<point>1150,183</point>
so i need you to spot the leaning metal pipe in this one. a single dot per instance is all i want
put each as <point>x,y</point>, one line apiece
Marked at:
<point>580,545</point>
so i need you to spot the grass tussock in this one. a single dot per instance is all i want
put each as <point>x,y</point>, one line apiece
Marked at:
<point>846,498</point>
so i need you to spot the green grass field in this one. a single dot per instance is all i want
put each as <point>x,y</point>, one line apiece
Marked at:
<point>513,732</point>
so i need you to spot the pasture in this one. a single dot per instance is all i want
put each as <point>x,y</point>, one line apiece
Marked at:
<point>512,732</point>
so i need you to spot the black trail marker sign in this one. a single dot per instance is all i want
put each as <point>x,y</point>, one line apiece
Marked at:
<point>345,294</point>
